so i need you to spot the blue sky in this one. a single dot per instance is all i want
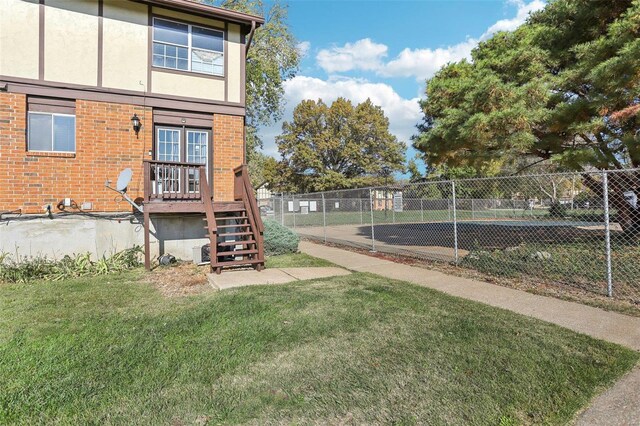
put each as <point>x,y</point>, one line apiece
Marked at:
<point>385,50</point>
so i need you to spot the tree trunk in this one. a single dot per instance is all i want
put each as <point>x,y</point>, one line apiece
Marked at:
<point>620,182</point>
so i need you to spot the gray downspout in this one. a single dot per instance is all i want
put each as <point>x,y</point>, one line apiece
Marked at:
<point>248,44</point>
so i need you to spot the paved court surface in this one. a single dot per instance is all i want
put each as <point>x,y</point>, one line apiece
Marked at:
<point>387,240</point>
<point>435,240</point>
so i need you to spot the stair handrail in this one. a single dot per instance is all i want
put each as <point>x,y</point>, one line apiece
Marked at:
<point>207,200</point>
<point>243,191</point>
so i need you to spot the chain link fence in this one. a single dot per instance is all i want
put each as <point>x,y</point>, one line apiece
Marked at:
<point>576,229</point>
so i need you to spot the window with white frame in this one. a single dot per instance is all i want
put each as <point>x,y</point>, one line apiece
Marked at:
<point>187,47</point>
<point>51,132</point>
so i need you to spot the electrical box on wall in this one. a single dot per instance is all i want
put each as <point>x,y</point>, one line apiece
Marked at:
<point>87,205</point>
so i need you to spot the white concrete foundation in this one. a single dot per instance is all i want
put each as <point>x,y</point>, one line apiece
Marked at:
<point>99,235</point>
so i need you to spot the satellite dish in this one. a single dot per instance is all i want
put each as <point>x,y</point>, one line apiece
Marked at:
<point>123,180</point>
<point>121,187</point>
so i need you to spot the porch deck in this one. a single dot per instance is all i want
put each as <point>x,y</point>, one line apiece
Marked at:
<point>234,227</point>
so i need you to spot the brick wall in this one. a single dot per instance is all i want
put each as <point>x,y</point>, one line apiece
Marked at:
<point>105,144</point>
<point>228,153</point>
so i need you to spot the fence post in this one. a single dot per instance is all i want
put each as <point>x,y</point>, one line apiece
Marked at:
<point>573,190</point>
<point>282,208</point>
<point>293,198</point>
<point>373,234</point>
<point>361,215</point>
<point>473,216</point>
<point>607,230</point>
<point>455,221</point>
<point>393,207</point>
<point>421,210</point>
<point>324,218</point>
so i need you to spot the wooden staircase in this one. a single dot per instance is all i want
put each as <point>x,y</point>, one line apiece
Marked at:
<point>235,228</point>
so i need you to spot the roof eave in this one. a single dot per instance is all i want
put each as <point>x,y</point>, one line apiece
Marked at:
<point>207,10</point>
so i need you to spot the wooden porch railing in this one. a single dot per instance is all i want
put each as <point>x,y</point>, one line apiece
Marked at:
<point>166,182</point>
<point>210,215</point>
<point>169,180</point>
<point>243,191</point>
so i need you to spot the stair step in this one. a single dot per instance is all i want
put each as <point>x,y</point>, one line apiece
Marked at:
<point>236,243</point>
<point>230,210</point>
<point>236,253</point>
<point>236,262</point>
<point>234,234</point>
<point>237,225</point>
<point>231,218</point>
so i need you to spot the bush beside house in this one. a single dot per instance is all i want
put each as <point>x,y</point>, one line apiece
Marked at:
<point>279,239</point>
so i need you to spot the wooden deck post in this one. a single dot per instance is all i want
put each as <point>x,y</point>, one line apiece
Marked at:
<point>147,253</point>
<point>176,190</point>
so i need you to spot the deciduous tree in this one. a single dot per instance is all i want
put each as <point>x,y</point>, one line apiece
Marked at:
<point>272,59</point>
<point>338,146</point>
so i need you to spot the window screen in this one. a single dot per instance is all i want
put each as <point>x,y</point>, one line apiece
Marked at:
<point>51,132</point>
<point>187,47</point>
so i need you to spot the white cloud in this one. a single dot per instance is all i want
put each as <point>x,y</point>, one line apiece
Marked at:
<point>367,55</point>
<point>303,48</point>
<point>423,63</point>
<point>524,9</point>
<point>364,54</point>
<point>403,114</point>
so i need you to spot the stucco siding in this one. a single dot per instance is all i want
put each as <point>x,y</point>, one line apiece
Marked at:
<point>19,38</point>
<point>106,44</point>
<point>71,41</point>
<point>187,85</point>
<point>234,63</point>
<point>125,45</point>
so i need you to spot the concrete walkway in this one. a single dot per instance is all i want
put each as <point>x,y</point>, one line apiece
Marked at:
<point>271,276</point>
<point>605,325</point>
<point>620,405</point>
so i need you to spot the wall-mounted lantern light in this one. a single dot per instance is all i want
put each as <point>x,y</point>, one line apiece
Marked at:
<point>135,121</point>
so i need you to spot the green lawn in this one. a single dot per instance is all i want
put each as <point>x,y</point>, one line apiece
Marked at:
<point>578,264</point>
<point>356,349</point>
<point>295,260</point>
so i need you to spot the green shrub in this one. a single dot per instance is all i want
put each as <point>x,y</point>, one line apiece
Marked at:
<point>557,210</point>
<point>27,269</point>
<point>279,239</point>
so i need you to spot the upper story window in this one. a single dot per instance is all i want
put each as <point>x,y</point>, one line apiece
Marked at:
<point>51,125</point>
<point>187,47</point>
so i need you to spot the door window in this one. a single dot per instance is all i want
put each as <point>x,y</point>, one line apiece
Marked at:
<point>168,146</point>
<point>175,144</point>
<point>197,152</point>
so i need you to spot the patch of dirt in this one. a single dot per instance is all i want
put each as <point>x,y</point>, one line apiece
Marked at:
<point>181,279</point>
<point>551,289</point>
